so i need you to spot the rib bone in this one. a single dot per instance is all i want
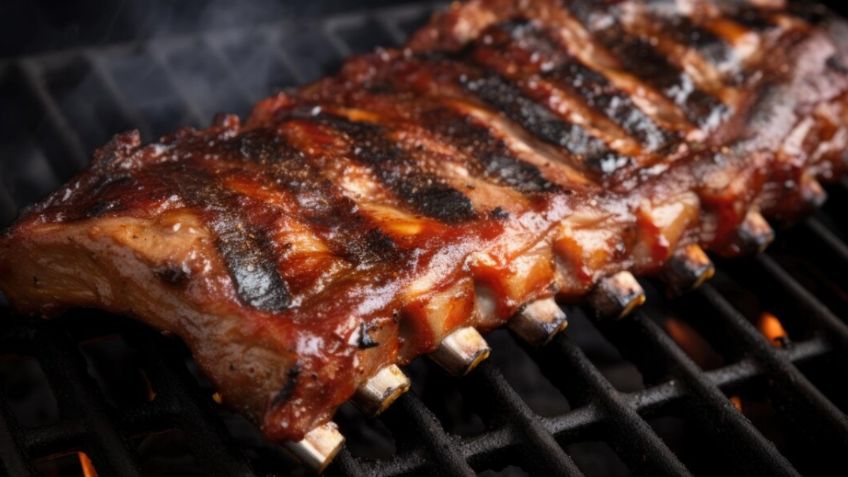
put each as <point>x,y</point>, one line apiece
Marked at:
<point>813,193</point>
<point>617,295</point>
<point>687,269</point>
<point>539,321</point>
<point>461,351</point>
<point>379,392</point>
<point>318,447</point>
<point>755,233</point>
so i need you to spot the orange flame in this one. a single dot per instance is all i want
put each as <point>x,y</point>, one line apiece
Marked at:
<point>737,402</point>
<point>771,327</point>
<point>150,391</point>
<point>87,467</point>
<point>692,343</point>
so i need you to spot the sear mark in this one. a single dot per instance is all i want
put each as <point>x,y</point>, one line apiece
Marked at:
<point>365,340</point>
<point>251,265</point>
<point>426,193</point>
<point>173,274</point>
<point>599,94</point>
<point>542,123</point>
<point>288,388</point>
<point>330,215</point>
<point>644,61</point>
<point>244,246</point>
<point>499,214</point>
<point>558,66</point>
<point>493,158</point>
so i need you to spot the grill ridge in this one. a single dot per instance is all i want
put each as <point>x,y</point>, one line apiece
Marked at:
<point>517,434</point>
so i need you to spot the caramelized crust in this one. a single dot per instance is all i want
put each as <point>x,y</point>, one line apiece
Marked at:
<point>514,151</point>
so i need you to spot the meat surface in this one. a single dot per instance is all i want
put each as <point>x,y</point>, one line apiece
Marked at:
<point>514,151</point>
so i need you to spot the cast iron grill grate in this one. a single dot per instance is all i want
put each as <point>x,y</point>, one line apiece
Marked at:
<point>695,385</point>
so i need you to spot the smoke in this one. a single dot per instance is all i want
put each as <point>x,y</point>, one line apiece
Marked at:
<point>157,66</point>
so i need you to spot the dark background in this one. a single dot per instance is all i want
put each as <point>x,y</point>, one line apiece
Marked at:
<point>33,26</point>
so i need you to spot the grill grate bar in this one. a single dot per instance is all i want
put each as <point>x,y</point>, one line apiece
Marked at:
<point>230,70</point>
<point>836,245</point>
<point>748,368</point>
<point>63,365</point>
<point>576,422</point>
<point>813,413</point>
<point>194,110</point>
<point>273,40</point>
<point>117,97</point>
<point>489,448</point>
<point>14,459</point>
<point>347,465</point>
<point>634,440</point>
<point>543,454</point>
<point>62,435</point>
<point>71,141</point>
<point>750,451</point>
<point>197,419</point>
<point>329,31</point>
<point>409,412</point>
<point>836,328</point>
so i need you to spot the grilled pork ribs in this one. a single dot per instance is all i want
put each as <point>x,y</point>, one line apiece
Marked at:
<point>513,152</point>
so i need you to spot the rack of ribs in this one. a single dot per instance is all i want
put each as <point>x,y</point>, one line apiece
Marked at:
<point>513,153</point>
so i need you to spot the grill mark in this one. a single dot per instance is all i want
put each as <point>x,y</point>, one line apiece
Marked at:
<point>330,215</point>
<point>640,58</point>
<point>600,95</point>
<point>562,69</point>
<point>285,393</point>
<point>251,266</point>
<point>244,246</point>
<point>683,30</point>
<point>812,13</point>
<point>108,193</point>
<point>425,192</point>
<point>749,16</point>
<point>542,123</point>
<point>492,157</point>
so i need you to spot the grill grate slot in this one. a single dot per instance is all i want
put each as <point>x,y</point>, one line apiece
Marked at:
<point>165,83</point>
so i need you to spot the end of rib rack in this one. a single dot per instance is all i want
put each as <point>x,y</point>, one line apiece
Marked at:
<point>687,269</point>
<point>379,392</point>
<point>318,447</point>
<point>461,351</point>
<point>755,233</point>
<point>617,295</point>
<point>539,321</point>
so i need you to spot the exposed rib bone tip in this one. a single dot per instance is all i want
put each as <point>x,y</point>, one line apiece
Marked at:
<point>617,295</point>
<point>381,390</point>
<point>755,233</point>
<point>539,321</point>
<point>813,193</point>
<point>688,268</point>
<point>461,351</point>
<point>318,447</point>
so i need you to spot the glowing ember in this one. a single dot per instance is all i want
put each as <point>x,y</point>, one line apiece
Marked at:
<point>770,326</point>
<point>737,402</point>
<point>87,467</point>
<point>151,393</point>
<point>693,343</point>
